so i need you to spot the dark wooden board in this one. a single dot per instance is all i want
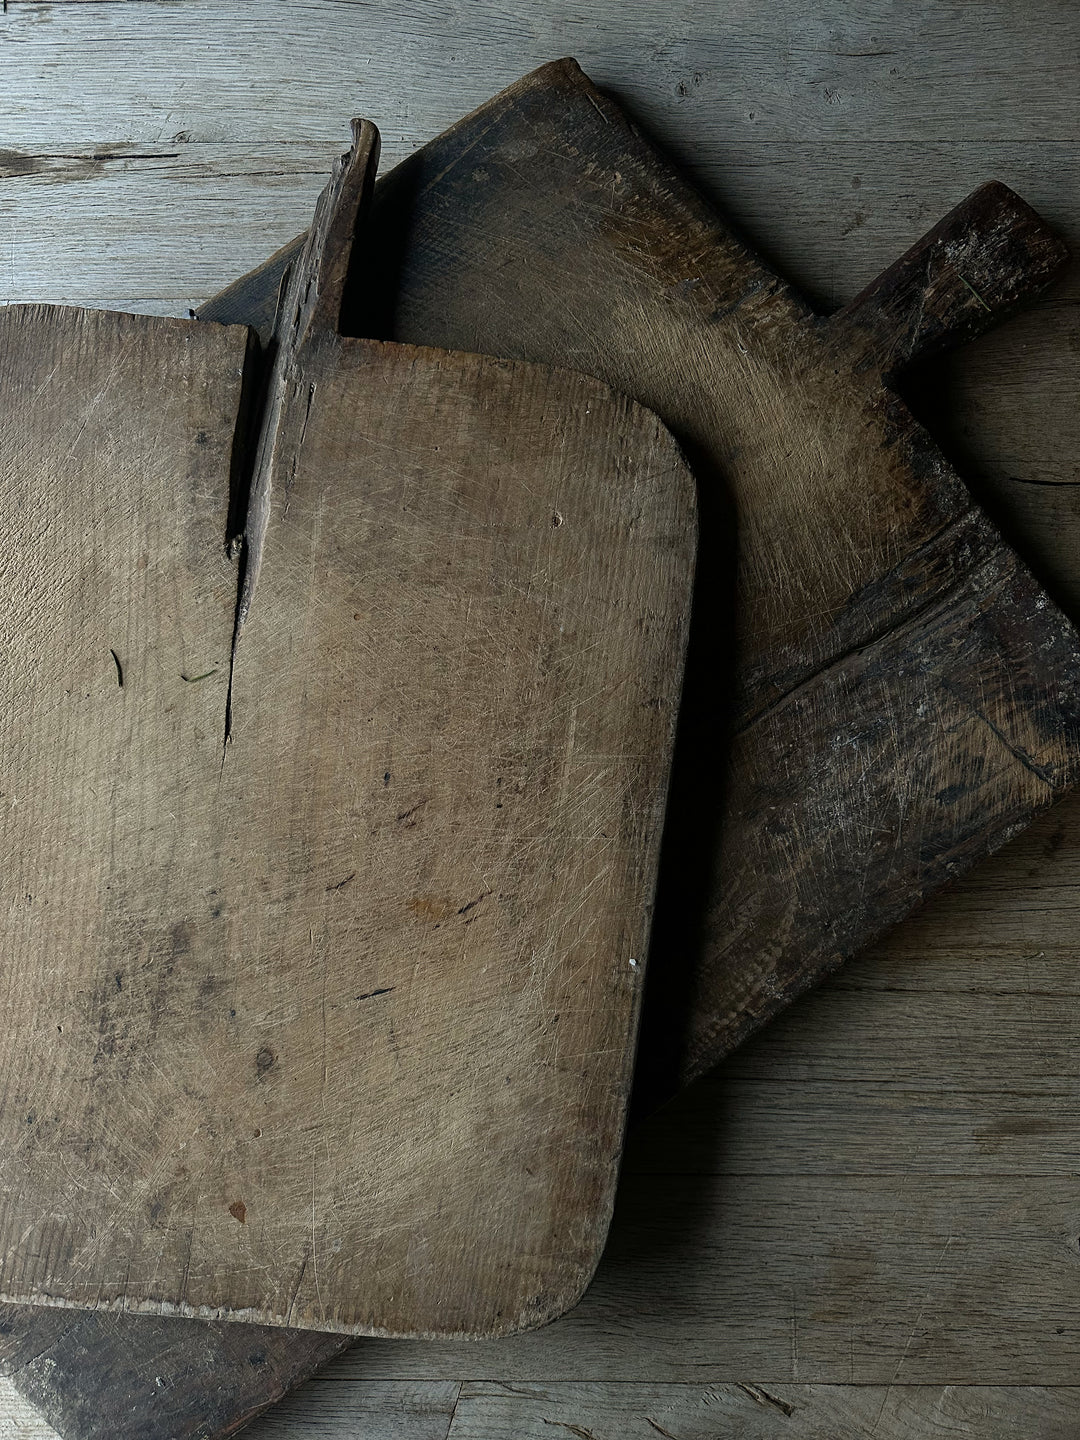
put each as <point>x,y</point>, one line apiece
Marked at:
<point>326,961</point>
<point>129,1351</point>
<point>133,1377</point>
<point>905,697</point>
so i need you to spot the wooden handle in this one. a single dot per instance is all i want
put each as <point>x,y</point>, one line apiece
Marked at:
<point>970,271</point>
<point>985,258</point>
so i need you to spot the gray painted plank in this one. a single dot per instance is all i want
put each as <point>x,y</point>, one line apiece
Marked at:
<point>874,1127</point>
<point>642,1411</point>
<point>956,1042</point>
<point>329,1409</point>
<point>748,1411</point>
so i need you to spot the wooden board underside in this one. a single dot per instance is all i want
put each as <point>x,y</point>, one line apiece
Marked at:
<point>333,1024</point>
<point>545,227</point>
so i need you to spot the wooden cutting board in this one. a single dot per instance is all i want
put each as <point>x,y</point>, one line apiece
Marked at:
<point>966,274</point>
<point>905,696</point>
<point>325,958</point>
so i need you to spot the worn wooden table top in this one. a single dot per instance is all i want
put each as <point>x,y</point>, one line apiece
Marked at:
<point>869,1218</point>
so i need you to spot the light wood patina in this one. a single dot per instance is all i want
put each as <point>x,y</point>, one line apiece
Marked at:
<point>328,935</point>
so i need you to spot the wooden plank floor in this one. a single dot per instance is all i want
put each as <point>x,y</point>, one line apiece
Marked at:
<point>868,1224</point>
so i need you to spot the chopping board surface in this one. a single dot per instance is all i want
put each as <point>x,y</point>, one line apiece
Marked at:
<point>326,962</point>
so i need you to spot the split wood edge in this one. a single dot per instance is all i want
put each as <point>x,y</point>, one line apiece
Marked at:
<point>309,302</point>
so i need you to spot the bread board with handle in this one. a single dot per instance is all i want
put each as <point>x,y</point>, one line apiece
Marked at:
<point>885,694</point>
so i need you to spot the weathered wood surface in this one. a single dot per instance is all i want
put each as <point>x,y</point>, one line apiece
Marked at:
<point>831,137</point>
<point>890,724</point>
<point>841,165</point>
<point>421,807</point>
<point>751,1412</point>
<point>483,1410</point>
<point>754,1198</point>
<point>910,90</point>
<point>925,302</point>
<point>968,1124</point>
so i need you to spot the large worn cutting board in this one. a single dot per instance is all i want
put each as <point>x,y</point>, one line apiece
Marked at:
<point>324,964</point>
<point>968,272</point>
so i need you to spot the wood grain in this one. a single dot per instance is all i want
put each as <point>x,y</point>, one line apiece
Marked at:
<point>986,1097</point>
<point>479,1410</point>
<point>827,216</point>
<point>758,1412</point>
<point>831,190</point>
<point>425,816</point>
<point>669,56</point>
<point>867,633</point>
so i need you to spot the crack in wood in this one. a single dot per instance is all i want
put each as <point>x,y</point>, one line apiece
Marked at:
<point>761,1396</point>
<point>309,303</point>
